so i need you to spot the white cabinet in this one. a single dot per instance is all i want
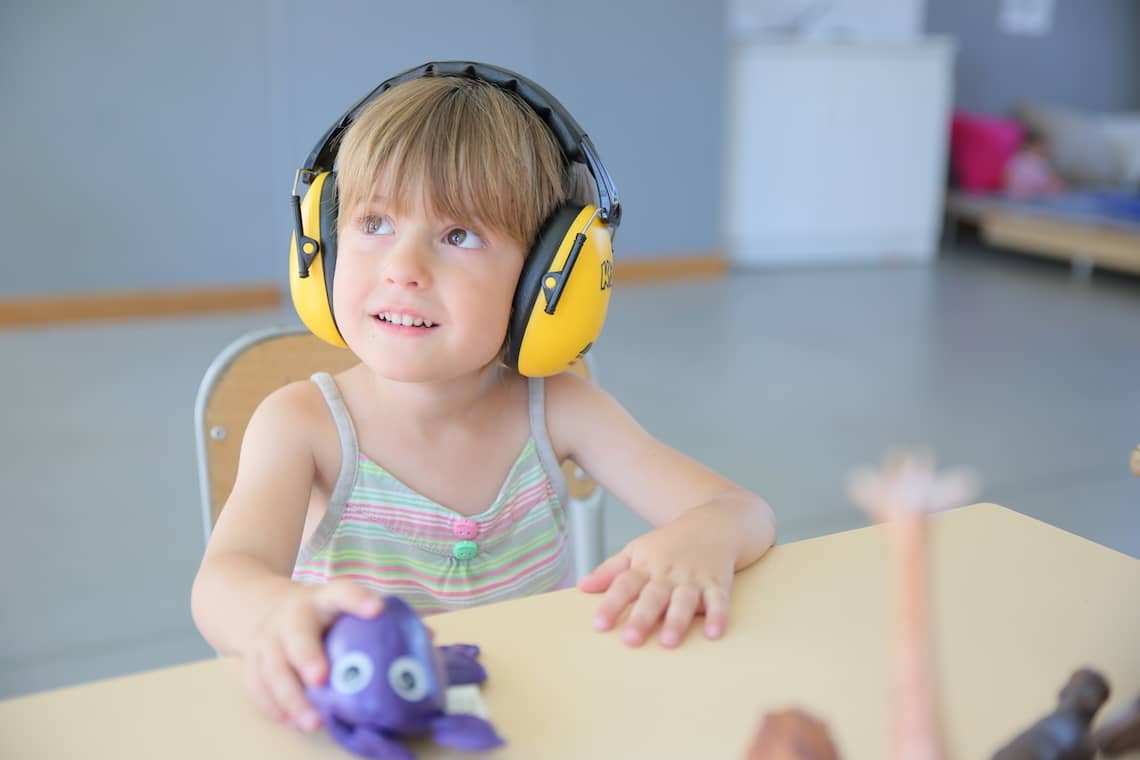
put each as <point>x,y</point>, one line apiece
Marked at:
<point>836,152</point>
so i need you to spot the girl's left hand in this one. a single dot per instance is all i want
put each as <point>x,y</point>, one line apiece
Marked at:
<point>677,571</point>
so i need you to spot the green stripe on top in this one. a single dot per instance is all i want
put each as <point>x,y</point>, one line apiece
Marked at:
<point>396,553</point>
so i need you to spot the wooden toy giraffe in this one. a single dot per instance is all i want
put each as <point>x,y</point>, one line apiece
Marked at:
<point>901,496</point>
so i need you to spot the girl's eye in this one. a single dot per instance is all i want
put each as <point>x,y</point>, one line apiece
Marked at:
<point>463,238</point>
<point>375,225</point>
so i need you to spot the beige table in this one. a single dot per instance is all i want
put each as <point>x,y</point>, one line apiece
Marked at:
<point>1018,606</point>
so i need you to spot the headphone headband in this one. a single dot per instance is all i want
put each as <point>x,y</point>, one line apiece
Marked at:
<point>575,143</point>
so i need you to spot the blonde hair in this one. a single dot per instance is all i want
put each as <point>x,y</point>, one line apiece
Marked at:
<point>480,154</point>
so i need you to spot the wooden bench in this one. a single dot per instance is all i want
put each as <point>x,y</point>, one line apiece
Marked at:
<point>1084,243</point>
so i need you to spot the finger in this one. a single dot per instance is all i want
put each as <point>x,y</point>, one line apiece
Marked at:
<point>257,689</point>
<point>620,593</point>
<point>285,690</point>
<point>603,575</point>
<point>306,654</point>
<point>647,610</point>
<point>682,607</point>
<point>344,595</point>
<point>716,610</point>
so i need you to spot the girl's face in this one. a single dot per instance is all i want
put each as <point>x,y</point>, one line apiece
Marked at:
<point>420,298</point>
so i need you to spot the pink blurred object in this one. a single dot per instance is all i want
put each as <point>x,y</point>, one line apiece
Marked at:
<point>980,147</point>
<point>1029,175</point>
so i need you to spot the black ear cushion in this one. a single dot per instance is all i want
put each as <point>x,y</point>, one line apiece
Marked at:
<point>538,262</point>
<point>328,235</point>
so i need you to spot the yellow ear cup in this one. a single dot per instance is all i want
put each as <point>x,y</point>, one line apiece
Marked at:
<point>549,343</point>
<point>312,295</point>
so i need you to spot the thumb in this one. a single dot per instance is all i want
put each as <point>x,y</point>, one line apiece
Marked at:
<point>343,595</point>
<point>603,575</point>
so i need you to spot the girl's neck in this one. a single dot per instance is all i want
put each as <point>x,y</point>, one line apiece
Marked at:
<point>428,405</point>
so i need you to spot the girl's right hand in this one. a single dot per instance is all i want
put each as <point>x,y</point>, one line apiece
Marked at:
<point>287,650</point>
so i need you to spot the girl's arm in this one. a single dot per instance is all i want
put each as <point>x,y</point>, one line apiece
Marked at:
<point>707,526</point>
<point>249,559</point>
<point>244,601</point>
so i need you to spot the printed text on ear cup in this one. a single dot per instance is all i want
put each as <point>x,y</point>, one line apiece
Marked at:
<point>607,275</point>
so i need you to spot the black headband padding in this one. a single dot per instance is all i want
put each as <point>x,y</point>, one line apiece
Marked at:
<point>562,125</point>
<point>328,237</point>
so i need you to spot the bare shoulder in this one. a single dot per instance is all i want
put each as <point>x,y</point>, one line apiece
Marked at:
<point>291,437</point>
<point>577,409</point>
<point>292,407</point>
<point>278,468</point>
<point>568,391</point>
<point>292,421</point>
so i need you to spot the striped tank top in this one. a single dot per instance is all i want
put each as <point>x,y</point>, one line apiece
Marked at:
<point>386,536</point>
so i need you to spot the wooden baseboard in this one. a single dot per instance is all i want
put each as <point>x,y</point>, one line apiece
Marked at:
<point>654,268</point>
<point>87,307</point>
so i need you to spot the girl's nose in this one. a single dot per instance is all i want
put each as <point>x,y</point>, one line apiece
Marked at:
<point>406,265</point>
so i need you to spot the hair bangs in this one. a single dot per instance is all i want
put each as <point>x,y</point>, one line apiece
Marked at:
<point>478,155</point>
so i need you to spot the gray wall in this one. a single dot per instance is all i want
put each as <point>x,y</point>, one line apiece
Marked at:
<point>154,145</point>
<point>1090,60</point>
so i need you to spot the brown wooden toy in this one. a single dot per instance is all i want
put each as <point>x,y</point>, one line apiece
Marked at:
<point>791,734</point>
<point>1120,733</point>
<point>1064,733</point>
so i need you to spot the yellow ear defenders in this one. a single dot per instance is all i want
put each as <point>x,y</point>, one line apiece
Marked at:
<point>563,292</point>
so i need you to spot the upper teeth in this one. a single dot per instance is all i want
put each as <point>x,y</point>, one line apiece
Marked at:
<point>404,319</point>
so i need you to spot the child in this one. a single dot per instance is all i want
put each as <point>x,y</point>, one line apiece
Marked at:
<point>366,482</point>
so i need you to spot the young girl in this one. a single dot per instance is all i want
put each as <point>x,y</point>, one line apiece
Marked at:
<point>430,470</point>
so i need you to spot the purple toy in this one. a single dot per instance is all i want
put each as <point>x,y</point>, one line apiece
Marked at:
<point>387,682</point>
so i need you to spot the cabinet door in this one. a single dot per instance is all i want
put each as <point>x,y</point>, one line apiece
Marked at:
<point>837,153</point>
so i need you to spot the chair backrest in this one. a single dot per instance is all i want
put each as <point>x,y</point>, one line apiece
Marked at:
<point>247,371</point>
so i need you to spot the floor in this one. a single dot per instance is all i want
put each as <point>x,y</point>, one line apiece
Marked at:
<point>783,381</point>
